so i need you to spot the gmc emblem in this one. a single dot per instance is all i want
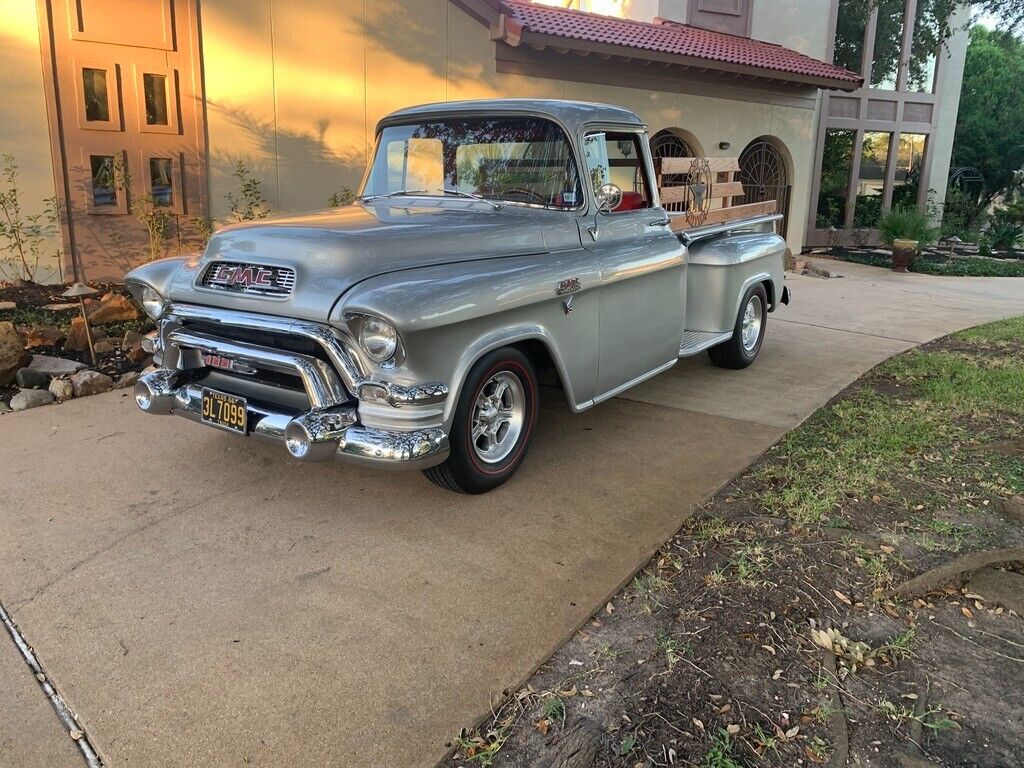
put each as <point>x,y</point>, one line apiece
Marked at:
<point>244,277</point>
<point>228,364</point>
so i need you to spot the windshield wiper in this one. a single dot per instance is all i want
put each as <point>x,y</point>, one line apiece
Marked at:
<point>460,193</point>
<point>392,194</point>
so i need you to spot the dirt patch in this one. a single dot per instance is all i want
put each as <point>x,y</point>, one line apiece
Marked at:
<point>771,630</point>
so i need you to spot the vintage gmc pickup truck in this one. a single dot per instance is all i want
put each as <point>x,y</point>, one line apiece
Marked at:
<point>492,243</point>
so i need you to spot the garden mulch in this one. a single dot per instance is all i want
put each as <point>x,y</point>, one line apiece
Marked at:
<point>772,628</point>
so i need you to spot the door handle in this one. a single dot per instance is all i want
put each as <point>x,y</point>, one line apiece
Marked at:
<point>660,222</point>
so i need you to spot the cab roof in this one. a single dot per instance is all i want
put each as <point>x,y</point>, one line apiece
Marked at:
<point>571,114</point>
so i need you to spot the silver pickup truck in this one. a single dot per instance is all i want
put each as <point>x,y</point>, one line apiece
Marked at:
<point>492,243</point>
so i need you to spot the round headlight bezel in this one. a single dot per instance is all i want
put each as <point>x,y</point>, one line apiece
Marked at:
<point>153,303</point>
<point>378,339</point>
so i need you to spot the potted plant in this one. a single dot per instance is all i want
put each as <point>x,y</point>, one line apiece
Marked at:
<point>906,230</point>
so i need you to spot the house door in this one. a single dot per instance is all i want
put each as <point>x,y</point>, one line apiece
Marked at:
<point>125,104</point>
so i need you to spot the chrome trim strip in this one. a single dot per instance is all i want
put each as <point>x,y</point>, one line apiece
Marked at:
<point>319,380</point>
<point>693,235</point>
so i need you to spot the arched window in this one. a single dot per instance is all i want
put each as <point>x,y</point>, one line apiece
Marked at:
<point>764,176</point>
<point>669,143</point>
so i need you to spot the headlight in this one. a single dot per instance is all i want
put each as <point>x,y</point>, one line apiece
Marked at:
<point>152,302</point>
<point>378,338</point>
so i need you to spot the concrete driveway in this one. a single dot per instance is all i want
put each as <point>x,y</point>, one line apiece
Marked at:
<point>202,600</point>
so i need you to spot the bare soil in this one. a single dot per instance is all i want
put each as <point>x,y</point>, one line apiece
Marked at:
<point>717,655</point>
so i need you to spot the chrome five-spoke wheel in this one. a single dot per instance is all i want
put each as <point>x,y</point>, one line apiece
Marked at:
<point>498,417</point>
<point>748,333</point>
<point>492,423</point>
<point>752,316</point>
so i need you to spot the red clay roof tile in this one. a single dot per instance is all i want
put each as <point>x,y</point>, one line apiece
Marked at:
<point>672,38</point>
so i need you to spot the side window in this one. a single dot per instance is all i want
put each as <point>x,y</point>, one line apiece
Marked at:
<point>616,158</point>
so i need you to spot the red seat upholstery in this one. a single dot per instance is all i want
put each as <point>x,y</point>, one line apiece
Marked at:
<point>631,201</point>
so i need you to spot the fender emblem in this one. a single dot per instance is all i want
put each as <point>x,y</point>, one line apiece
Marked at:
<point>567,304</point>
<point>570,285</point>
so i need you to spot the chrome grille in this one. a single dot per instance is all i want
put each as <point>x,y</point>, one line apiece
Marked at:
<point>249,279</point>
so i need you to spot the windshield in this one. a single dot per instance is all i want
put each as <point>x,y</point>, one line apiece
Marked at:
<point>511,159</point>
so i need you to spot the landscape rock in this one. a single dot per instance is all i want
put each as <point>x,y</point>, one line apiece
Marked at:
<point>55,366</point>
<point>7,305</point>
<point>106,346</point>
<point>41,335</point>
<point>29,378</point>
<point>131,338</point>
<point>137,354</point>
<point>129,379</point>
<point>91,383</point>
<point>30,398</point>
<point>61,389</point>
<point>114,308</point>
<point>12,352</point>
<point>77,340</point>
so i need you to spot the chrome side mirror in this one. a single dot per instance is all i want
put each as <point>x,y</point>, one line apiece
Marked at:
<point>609,197</point>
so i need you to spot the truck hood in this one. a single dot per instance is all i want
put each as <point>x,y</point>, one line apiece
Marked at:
<point>333,250</point>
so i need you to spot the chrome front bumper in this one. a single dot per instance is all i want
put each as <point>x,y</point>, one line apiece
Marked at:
<point>333,383</point>
<point>321,434</point>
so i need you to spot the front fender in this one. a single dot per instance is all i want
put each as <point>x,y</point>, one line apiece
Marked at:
<point>451,315</point>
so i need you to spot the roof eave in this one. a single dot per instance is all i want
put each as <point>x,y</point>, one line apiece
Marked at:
<point>565,44</point>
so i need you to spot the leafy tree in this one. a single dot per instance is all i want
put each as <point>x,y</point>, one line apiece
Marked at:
<point>988,134</point>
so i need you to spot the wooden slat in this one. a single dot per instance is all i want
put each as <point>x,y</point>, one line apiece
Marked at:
<point>674,165</point>
<point>723,215</point>
<point>729,189</point>
<point>747,211</point>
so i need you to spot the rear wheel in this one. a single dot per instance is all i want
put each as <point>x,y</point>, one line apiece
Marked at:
<point>748,333</point>
<point>493,423</point>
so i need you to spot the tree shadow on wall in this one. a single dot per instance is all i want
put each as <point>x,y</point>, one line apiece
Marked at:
<point>417,38</point>
<point>299,169</point>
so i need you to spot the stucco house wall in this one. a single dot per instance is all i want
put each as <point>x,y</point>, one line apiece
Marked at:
<point>25,132</point>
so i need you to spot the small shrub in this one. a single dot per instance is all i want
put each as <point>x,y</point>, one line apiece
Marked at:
<point>1004,230</point>
<point>26,235</point>
<point>343,196</point>
<point>249,204</point>
<point>905,223</point>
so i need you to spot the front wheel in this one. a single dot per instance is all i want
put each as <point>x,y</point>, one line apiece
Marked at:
<point>493,423</point>
<point>748,333</point>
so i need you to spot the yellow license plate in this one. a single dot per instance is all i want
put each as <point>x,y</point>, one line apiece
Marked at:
<point>224,410</point>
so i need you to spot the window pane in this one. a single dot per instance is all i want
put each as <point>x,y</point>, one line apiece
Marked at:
<point>836,164</point>
<point>885,61</point>
<point>615,158</point>
<point>104,191</point>
<point>874,160</point>
<point>97,105</point>
<point>161,185</point>
<point>850,27</point>
<point>516,159</point>
<point>909,161</point>
<point>154,88</point>
<point>921,64</point>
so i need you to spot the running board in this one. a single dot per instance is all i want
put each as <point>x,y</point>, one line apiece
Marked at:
<point>697,341</point>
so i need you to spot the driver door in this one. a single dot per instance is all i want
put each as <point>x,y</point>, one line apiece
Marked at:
<point>642,289</point>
